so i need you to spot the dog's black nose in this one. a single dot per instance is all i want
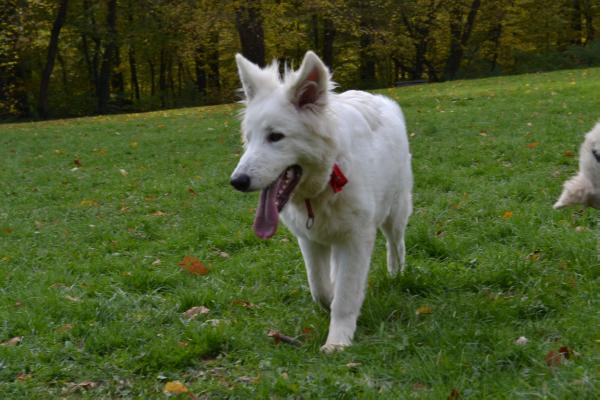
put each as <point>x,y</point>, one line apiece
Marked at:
<point>241,182</point>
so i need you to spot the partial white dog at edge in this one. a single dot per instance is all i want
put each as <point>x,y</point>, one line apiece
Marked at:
<point>335,167</point>
<point>584,188</point>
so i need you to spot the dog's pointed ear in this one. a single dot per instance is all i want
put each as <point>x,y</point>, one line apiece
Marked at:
<point>312,82</point>
<point>248,73</point>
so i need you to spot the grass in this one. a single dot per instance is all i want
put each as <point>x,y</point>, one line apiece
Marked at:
<point>89,275</point>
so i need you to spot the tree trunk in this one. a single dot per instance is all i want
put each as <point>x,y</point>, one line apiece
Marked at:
<point>212,58</point>
<point>328,39</point>
<point>108,57</point>
<point>588,16</point>
<point>459,38</point>
<point>200,71</point>
<point>61,15</point>
<point>152,78</point>
<point>162,79</point>
<point>249,23</point>
<point>314,31</point>
<point>117,80</point>
<point>135,86</point>
<point>576,24</point>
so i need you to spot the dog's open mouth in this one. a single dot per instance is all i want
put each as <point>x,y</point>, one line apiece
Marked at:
<point>272,200</point>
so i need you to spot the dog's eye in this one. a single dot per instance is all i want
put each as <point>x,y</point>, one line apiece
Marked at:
<point>275,137</point>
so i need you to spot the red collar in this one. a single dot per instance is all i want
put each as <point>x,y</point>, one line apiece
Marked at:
<point>337,181</point>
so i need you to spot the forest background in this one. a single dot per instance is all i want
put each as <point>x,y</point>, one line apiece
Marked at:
<point>68,58</point>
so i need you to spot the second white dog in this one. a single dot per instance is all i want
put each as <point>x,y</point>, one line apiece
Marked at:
<point>584,188</point>
<point>336,167</point>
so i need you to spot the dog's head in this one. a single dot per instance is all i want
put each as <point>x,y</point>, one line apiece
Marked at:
<point>285,134</point>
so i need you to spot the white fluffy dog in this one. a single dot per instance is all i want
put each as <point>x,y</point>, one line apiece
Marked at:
<point>336,167</point>
<point>584,188</point>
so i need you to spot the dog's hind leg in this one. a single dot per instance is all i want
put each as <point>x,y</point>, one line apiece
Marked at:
<point>393,228</point>
<point>317,259</point>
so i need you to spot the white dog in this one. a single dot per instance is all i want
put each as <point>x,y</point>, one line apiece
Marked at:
<point>336,167</point>
<point>584,188</point>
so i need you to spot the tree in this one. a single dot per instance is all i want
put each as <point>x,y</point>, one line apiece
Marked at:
<point>61,15</point>
<point>249,22</point>
<point>108,57</point>
<point>460,32</point>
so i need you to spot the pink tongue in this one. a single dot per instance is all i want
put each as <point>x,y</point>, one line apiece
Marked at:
<point>265,221</point>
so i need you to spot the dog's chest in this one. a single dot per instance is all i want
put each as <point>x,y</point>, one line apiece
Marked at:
<point>329,222</point>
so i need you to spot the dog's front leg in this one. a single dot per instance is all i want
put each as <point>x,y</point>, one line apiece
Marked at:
<point>317,259</point>
<point>351,261</point>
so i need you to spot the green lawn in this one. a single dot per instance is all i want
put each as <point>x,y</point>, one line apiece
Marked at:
<point>89,254</point>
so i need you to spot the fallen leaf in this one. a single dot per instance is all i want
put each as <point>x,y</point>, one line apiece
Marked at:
<point>279,337</point>
<point>565,351</point>
<point>64,328</point>
<point>123,172</point>
<point>454,394</point>
<point>224,254</point>
<point>156,262</point>
<point>88,203</point>
<point>553,359</point>
<point>193,265</point>
<point>73,299</point>
<point>22,376</point>
<point>353,365</point>
<point>569,153</point>
<point>535,256</point>
<point>507,214</point>
<point>77,162</point>
<point>243,303</point>
<point>159,213</point>
<point>13,341</point>
<point>85,385</point>
<point>175,387</point>
<point>194,311</point>
<point>424,310</point>
<point>192,191</point>
<point>533,145</point>
<point>307,331</point>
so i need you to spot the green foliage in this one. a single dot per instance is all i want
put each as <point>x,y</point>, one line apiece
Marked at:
<point>90,275</point>
<point>181,53</point>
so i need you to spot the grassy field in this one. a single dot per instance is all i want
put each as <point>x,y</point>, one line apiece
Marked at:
<point>96,215</point>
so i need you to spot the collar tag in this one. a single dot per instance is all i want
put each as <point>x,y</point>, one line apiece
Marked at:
<point>337,179</point>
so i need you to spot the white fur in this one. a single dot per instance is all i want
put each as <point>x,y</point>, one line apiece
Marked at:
<point>365,135</point>
<point>584,188</point>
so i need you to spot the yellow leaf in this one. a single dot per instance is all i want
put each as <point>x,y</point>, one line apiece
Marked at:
<point>507,214</point>
<point>175,387</point>
<point>424,310</point>
<point>88,203</point>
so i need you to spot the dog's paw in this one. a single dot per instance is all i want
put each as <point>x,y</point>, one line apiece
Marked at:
<point>330,348</point>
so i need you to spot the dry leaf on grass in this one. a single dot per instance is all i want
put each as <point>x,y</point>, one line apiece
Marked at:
<point>175,387</point>
<point>424,310</point>
<point>533,145</point>
<point>279,337</point>
<point>454,394</point>
<point>243,303</point>
<point>194,311</point>
<point>85,385</point>
<point>507,214</point>
<point>556,358</point>
<point>13,341</point>
<point>193,265</point>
